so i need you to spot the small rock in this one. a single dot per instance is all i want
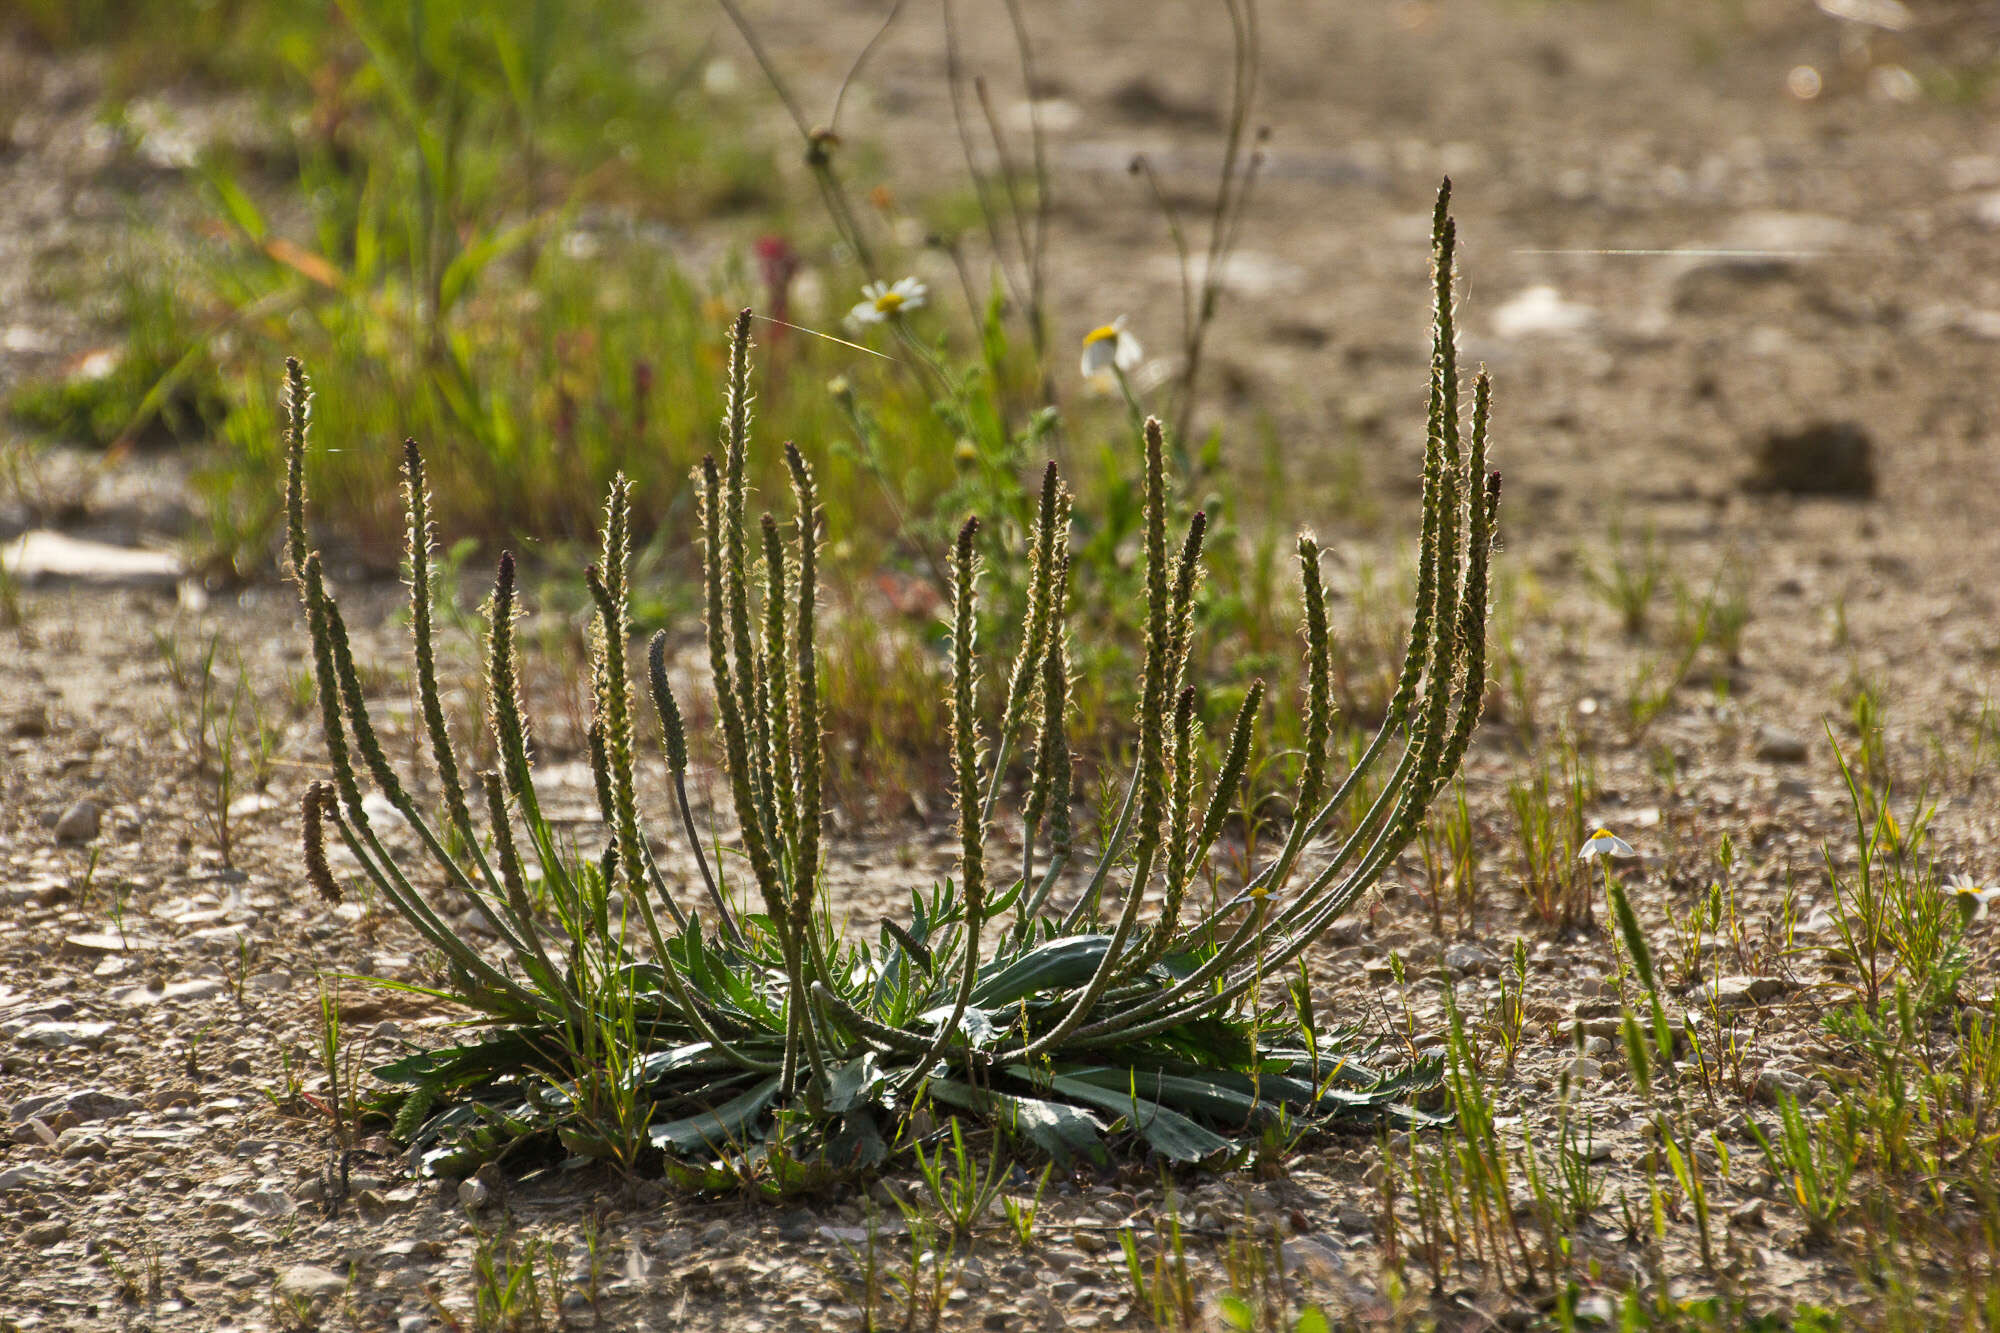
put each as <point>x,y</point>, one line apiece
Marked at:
<point>73,1145</point>
<point>1741,992</point>
<point>1748,1214</point>
<point>103,942</point>
<point>1585,1072</point>
<point>715,1233</point>
<point>1595,1310</point>
<point>54,556</point>
<point>48,1233</point>
<point>26,1177</point>
<point>54,1036</point>
<point>1345,932</point>
<point>309,1281</point>
<point>473,1194</point>
<point>1773,1082</point>
<point>1777,746</point>
<point>1091,1242</point>
<point>271,1204</point>
<point>79,823</point>
<point>31,723</point>
<point>144,997</point>
<point>1541,312</point>
<point>1818,458</point>
<point>1468,958</point>
<point>94,1104</point>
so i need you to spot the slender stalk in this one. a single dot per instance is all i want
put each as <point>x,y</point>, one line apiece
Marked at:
<point>971,818</point>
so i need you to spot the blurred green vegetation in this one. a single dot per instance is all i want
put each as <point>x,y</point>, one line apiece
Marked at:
<point>516,233</point>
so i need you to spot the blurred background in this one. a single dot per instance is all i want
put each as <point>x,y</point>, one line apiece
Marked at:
<point>1723,258</point>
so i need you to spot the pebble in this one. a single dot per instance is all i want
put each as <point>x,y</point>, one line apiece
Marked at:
<point>1468,958</point>
<point>1585,1071</point>
<point>1749,1214</point>
<point>79,823</point>
<point>142,997</point>
<point>1815,458</point>
<point>1741,992</point>
<point>473,1194</point>
<point>1772,1082</point>
<point>73,1145</point>
<point>309,1281</point>
<point>55,1036</point>
<point>48,1233</point>
<point>1541,312</point>
<point>271,1204</point>
<point>26,1177</point>
<point>104,942</point>
<point>48,555</point>
<point>1778,746</point>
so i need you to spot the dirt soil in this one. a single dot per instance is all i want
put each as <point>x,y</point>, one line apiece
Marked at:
<point>167,1163</point>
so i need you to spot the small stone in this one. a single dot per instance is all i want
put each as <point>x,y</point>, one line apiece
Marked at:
<point>1584,1071</point>
<point>79,823</point>
<point>142,997</point>
<point>1742,992</point>
<point>48,1233</point>
<point>1091,1242</point>
<point>271,1204</point>
<point>715,1233</point>
<point>73,1145</point>
<point>103,942</point>
<point>46,555</point>
<point>473,1195</point>
<point>26,1177</point>
<point>309,1282</point>
<point>1468,958</point>
<point>1541,312</point>
<point>55,1036</point>
<point>1773,1083</point>
<point>1749,1214</point>
<point>1342,934</point>
<point>1777,746</point>
<point>1817,458</point>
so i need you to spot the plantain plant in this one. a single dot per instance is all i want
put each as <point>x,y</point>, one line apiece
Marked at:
<point>1073,1002</point>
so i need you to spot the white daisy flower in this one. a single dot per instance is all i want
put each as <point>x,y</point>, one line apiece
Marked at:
<point>1606,844</point>
<point>1107,348</point>
<point>1973,896</point>
<point>882,301</point>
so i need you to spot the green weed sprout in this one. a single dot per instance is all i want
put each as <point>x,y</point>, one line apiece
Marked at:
<point>1050,1006</point>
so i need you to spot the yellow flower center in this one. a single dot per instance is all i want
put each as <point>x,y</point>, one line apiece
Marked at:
<point>1104,333</point>
<point>889,302</point>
